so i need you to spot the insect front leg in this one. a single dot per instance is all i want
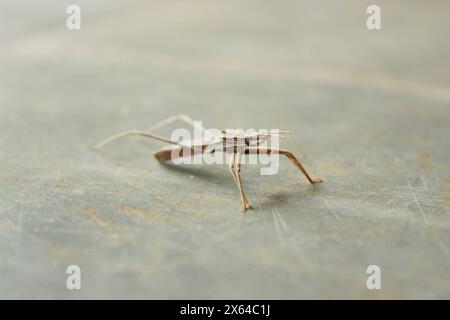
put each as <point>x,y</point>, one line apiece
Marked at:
<point>235,171</point>
<point>237,168</point>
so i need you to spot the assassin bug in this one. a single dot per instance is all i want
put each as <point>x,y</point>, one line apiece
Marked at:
<point>233,142</point>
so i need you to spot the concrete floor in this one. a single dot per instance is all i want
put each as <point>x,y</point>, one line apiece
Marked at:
<point>371,109</point>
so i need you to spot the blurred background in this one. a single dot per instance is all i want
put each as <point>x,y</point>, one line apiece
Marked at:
<point>370,108</point>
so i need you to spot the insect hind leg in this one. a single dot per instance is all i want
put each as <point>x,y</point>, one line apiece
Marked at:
<point>289,155</point>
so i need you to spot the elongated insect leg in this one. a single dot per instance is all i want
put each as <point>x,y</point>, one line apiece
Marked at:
<point>135,133</point>
<point>232,167</point>
<point>290,156</point>
<point>237,169</point>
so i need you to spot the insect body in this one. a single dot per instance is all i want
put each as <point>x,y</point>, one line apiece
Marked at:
<point>234,143</point>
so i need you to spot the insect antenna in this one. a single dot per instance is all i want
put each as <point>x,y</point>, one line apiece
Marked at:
<point>296,143</point>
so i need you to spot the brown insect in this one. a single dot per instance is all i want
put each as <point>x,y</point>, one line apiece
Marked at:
<point>234,143</point>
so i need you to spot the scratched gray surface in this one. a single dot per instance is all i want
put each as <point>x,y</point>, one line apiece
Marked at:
<point>370,108</point>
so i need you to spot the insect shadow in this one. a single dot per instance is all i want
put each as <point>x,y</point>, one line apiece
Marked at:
<point>200,173</point>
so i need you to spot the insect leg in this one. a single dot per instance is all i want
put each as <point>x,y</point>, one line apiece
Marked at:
<point>290,156</point>
<point>133,132</point>
<point>237,168</point>
<point>232,166</point>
